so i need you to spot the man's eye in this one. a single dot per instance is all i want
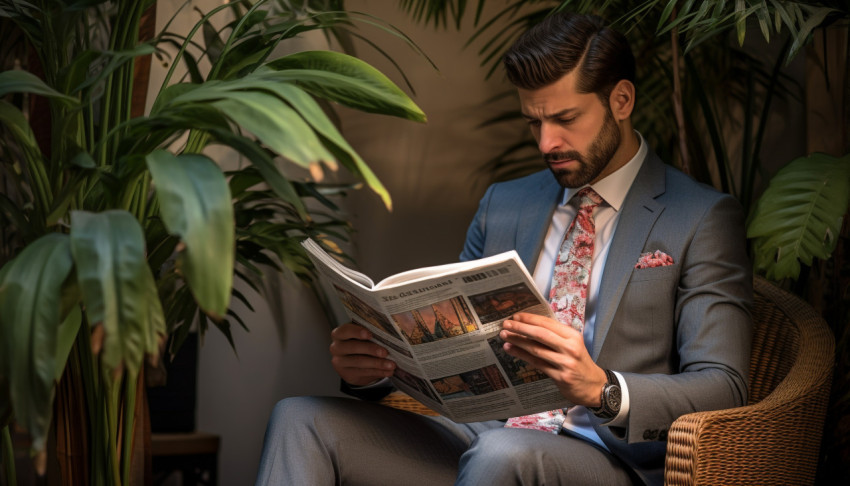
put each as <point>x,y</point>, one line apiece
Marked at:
<point>534,123</point>
<point>566,121</point>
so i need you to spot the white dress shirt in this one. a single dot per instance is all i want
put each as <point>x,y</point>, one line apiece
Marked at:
<point>613,190</point>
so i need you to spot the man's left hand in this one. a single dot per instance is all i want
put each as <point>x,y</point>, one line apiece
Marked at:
<point>559,352</point>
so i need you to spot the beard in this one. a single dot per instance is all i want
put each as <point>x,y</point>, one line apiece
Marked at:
<point>590,165</point>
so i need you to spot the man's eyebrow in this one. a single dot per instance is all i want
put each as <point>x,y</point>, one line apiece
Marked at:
<point>559,114</point>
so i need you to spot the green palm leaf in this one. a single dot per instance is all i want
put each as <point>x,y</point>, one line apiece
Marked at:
<point>30,314</point>
<point>312,113</point>
<point>117,286</point>
<point>345,80</point>
<point>799,216</point>
<point>12,118</point>
<point>280,114</point>
<point>16,81</point>
<point>276,125</point>
<point>196,205</point>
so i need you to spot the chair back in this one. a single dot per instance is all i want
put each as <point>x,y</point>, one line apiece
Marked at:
<point>776,343</point>
<point>792,350</point>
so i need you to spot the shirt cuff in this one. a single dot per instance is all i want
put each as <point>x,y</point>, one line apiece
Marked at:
<point>622,418</point>
<point>381,382</point>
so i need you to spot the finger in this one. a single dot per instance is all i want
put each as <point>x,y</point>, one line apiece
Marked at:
<point>367,364</point>
<point>520,329</point>
<point>543,345</point>
<point>535,319</point>
<point>540,354</point>
<point>357,347</point>
<point>548,323</point>
<point>350,330</point>
<point>560,338</point>
<point>362,370</point>
<point>522,340</point>
<point>523,353</point>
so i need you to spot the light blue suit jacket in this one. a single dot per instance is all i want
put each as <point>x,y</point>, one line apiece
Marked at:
<point>680,335</point>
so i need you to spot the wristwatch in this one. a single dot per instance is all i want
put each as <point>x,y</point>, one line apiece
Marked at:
<point>612,397</point>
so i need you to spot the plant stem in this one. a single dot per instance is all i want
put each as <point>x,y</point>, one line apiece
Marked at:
<point>845,112</point>
<point>747,151</point>
<point>129,425</point>
<point>105,114</point>
<point>86,369</point>
<point>112,407</point>
<point>196,142</point>
<point>230,39</point>
<point>143,197</point>
<point>186,44</point>
<point>8,456</point>
<point>41,182</point>
<point>129,199</point>
<point>677,99</point>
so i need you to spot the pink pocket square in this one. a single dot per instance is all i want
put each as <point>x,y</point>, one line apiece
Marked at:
<point>654,259</point>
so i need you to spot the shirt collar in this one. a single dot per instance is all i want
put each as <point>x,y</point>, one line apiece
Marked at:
<point>613,188</point>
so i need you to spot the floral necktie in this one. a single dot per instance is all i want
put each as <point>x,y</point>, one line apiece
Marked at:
<point>568,294</point>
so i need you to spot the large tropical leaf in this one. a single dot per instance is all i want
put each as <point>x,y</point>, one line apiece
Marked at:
<point>250,103</point>
<point>17,81</point>
<point>30,314</point>
<point>196,205</point>
<point>308,108</point>
<point>345,80</point>
<point>277,126</point>
<point>12,118</point>
<point>264,107</point>
<point>117,286</point>
<point>263,161</point>
<point>799,216</point>
<point>113,61</point>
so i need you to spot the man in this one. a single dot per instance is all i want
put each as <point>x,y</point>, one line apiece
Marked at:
<point>658,316</point>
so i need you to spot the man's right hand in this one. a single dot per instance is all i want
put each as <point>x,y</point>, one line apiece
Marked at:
<point>358,361</point>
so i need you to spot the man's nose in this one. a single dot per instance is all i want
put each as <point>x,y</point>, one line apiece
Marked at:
<point>549,140</point>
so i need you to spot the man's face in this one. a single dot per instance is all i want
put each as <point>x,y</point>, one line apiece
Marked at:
<point>575,132</point>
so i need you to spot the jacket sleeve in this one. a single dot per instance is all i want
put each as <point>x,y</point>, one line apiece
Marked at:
<point>713,330</point>
<point>473,247</point>
<point>371,393</point>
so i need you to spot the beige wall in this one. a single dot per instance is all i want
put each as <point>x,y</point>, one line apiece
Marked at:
<point>430,169</point>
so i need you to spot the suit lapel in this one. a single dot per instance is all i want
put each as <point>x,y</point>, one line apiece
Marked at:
<point>640,210</point>
<point>534,218</point>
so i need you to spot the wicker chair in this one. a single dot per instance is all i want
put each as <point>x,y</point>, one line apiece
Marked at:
<point>774,439</point>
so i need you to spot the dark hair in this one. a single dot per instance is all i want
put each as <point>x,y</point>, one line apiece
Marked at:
<point>563,41</point>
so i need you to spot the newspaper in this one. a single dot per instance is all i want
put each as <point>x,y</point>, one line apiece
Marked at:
<point>441,327</point>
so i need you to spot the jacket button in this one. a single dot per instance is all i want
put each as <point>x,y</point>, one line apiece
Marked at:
<point>650,434</point>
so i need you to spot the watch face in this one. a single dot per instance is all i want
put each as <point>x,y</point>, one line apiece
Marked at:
<point>613,398</point>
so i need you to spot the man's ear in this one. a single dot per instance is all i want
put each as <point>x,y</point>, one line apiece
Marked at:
<point>622,100</point>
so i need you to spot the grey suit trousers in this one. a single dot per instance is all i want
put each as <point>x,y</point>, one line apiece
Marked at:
<point>325,441</point>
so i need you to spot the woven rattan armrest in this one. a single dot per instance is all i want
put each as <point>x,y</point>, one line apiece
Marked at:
<point>777,439</point>
<point>769,442</point>
<point>402,401</point>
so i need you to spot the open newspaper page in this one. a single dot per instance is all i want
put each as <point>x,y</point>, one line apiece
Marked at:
<point>441,327</point>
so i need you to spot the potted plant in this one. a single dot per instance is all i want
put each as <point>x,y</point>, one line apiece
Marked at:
<point>120,229</point>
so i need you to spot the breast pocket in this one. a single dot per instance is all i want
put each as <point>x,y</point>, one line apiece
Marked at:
<point>649,304</point>
<point>655,273</point>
